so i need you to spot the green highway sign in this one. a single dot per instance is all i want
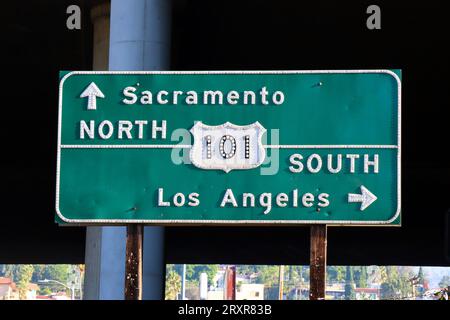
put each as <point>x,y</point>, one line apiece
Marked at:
<point>229,147</point>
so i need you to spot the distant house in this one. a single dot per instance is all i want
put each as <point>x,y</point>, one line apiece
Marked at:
<point>9,290</point>
<point>250,291</point>
<point>60,296</point>
<point>367,293</point>
<point>244,291</point>
<point>33,288</point>
<point>246,278</point>
<point>215,295</point>
<point>54,296</point>
<point>335,292</point>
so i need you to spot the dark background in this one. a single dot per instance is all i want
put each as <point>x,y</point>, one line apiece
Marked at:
<point>235,35</point>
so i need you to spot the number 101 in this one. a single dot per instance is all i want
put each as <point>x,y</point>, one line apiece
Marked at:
<point>227,146</point>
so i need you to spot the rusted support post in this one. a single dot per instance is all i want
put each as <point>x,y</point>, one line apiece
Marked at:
<point>280,282</point>
<point>133,262</point>
<point>318,262</point>
<point>230,283</point>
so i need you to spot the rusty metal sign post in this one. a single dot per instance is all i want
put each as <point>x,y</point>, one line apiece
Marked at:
<point>318,262</point>
<point>280,282</point>
<point>133,262</point>
<point>230,283</point>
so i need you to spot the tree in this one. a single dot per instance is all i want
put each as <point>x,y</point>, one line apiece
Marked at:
<point>420,276</point>
<point>340,273</point>
<point>173,285</point>
<point>58,272</point>
<point>396,285</point>
<point>349,289</point>
<point>382,274</point>
<point>247,269</point>
<point>445,282</point>
<point>404,282</point>
<point>393,277</point>
<point>268,275</point>
<point>421,281</point>
<point>193,272</point>
<point>387,291</point>
<point>24,274</point>
<point>304,273</point>
<point>291,282</point>
<point>299,272</point>
<point>363,276</point>
<point>38,273</point>
<point>10,271</point>
<point>335,274</point>
<point>211,271</point>
<point>44,291</point>
<point>190,273</point>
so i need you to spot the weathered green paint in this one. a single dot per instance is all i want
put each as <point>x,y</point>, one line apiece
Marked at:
<point>114,185</point>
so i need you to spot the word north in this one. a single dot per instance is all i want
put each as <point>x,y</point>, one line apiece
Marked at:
<point>123,129</point>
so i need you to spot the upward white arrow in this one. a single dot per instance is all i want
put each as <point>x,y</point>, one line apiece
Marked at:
<point>366,198</point>
<point>92,92</point>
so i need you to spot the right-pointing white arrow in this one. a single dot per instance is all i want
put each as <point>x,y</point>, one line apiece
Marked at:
<point>366,198</point>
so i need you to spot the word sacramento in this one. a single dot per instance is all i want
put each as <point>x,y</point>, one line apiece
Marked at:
<point>133,95</point>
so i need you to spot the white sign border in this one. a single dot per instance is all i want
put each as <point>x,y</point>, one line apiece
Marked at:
<point>232,222</point>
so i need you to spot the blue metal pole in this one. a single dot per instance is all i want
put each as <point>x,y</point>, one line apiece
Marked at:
<point>140,40</point>
<point>183,284</point>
